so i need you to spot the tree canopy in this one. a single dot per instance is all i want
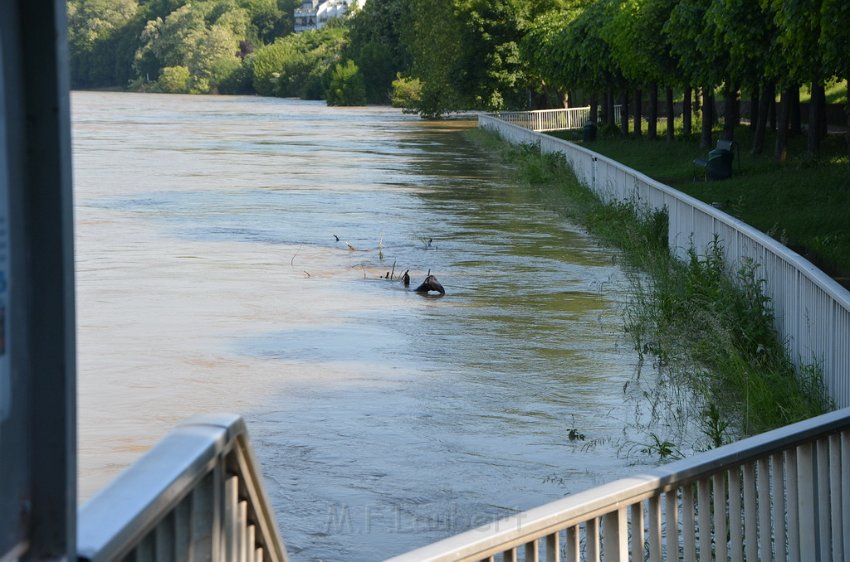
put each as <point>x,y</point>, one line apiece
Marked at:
<point>441,56</point>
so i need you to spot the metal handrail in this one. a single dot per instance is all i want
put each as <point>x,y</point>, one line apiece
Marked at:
<point>196,495</point>
<point>777,467</point>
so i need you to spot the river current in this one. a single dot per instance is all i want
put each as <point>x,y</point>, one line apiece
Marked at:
<point>210,279</point>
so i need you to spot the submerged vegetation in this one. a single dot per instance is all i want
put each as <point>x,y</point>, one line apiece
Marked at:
<point>704,326</point>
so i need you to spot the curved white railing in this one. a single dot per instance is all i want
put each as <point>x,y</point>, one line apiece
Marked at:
<point>812,311</point>
<point>548,119</point>
<point>782,495</point>
<point>197,495</point>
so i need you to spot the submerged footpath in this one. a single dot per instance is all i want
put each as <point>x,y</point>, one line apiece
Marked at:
<point>715,369</point>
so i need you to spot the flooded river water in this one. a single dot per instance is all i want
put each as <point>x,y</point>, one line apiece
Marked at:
<point>209,279</point>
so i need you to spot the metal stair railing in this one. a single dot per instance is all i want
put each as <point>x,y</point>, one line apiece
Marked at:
<point>781,495</point>
<point>197,495</point>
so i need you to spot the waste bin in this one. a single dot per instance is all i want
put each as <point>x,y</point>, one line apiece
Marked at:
<point>719,164</point>
<point>589,132</point>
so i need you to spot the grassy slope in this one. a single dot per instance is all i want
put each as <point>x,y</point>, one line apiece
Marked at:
<point>804,203</point>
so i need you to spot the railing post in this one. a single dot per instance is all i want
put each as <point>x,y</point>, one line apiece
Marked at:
<point>806,499</point>
<point>822,491</point>
<point>553,548</point>
<point>671,524</point>
<point>615,534</point>
<point>845,489</point>
<point>718,485</point>
<point>573,543</point>
<point>763,487</point>
<point>637,531</point>
<point>653,515</point>
<point>835,493</point>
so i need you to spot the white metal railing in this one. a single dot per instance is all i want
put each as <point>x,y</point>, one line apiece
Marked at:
<point>812,311</point>
<point>197,495</point>
<point>782,495</point>
<point>545,120</point>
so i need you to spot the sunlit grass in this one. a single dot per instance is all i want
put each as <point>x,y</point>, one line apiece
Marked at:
<point>803,202</point>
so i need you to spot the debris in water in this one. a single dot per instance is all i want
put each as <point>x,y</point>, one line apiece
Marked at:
<point>430,284</point>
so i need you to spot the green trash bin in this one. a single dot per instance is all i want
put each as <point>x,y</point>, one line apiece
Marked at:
<point>589,132</point>
<point>719,164</point>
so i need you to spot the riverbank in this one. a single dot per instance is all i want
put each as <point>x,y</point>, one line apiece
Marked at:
<point>719,369</point>
<point>804,203</point>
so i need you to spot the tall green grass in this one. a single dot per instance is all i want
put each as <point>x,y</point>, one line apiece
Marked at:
<point>704,325</point>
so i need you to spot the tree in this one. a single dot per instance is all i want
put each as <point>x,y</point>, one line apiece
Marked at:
<point>495,72</point>
<point>835,45</point>
<point>748,32</point>
<point>642,52</point>
<point>799,25</point>
<point>376,45</point>
<point>98,33</point>
<point>347,86</point>
<point>433,35</point>
<point>568,47</point>
<point>299,64</point>
<point>174,80</point>
<point>693,41</point>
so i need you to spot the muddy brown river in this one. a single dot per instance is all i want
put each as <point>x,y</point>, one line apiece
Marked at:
<point>210,279</point>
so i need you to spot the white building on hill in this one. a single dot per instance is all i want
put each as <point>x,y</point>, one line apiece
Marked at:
<point>314,14</point>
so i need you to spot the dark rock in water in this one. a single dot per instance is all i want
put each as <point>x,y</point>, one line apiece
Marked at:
<point>430,284</point>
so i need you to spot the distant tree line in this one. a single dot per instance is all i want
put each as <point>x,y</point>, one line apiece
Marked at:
<point>438,56</point>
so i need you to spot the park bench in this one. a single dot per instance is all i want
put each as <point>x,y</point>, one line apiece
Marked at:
<point>718,164</point>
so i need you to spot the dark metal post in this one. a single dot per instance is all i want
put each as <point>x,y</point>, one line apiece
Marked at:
<point>37,343</point>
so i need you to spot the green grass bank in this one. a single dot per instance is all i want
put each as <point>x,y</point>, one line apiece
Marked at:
<point>703,327</point>
<point>804,202</point>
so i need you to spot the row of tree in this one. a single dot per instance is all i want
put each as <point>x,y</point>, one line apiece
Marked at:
<point>629,48</point>
<point>437,56</point>
<point>497,54</point>
<point>192,46</point>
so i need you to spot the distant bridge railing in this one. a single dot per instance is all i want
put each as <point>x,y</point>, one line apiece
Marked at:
<point>197,495</point>
<point>782,495</point>
<point>812,311</point>
<point>546,120</point>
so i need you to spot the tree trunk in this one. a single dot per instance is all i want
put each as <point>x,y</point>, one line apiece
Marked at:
<point>594,106</point>
<point>624,113</point>
<point>687,112</point>
<point>671,115</point>
<point>730,96</point>
<point>783,114</point>
<point>771,111</point>
<point>707,117</point>
<point>768,95</point>
<point>847,110</point>
<point>603,109</point>
<point>652,119</point>
<point>755,108</point>
<point>609,102</point>
<point>815,117</point>
<point>796,120</point>
<point>638,112</point>
<point>821,100</point>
